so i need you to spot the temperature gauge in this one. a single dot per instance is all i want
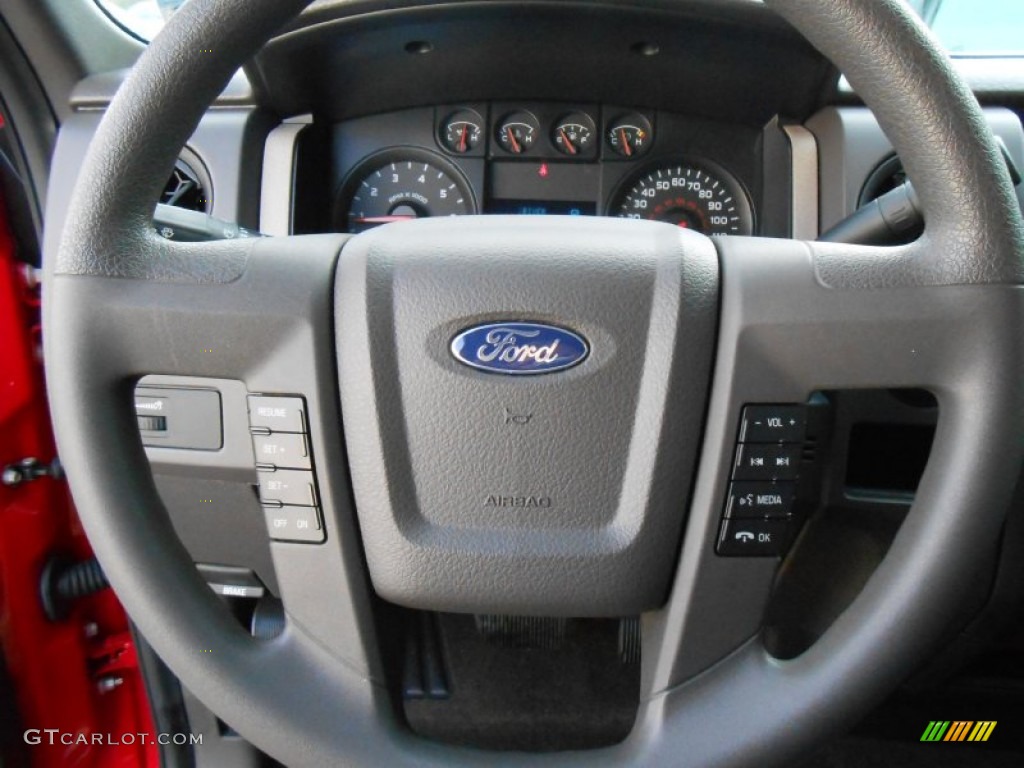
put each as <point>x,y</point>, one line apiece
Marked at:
<point>461,131</point>
<point>573,135</point>
<point>517,132</point>
<point>630,135</point>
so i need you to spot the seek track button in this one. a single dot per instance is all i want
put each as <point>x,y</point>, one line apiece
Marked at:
<point>767,462</point>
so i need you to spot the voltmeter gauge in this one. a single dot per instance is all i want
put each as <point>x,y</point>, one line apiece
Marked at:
<point>630,135</point>
<point>461,132</point>
<point>573,135</point>
<point>517,132</point>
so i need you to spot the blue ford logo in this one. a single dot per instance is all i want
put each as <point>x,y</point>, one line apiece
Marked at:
<point>519,348</point>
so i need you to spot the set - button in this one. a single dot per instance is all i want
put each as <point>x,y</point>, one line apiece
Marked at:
<point>757,518</point>
<point>284,464</point>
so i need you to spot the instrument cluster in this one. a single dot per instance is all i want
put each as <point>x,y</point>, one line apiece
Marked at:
<point>543,158</point>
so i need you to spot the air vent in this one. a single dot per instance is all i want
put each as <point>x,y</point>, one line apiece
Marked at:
<point>888,175</point>
<point>189,186</point>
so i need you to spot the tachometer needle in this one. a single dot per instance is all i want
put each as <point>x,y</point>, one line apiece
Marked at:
<point>382,219</point>
<point>568,144</point>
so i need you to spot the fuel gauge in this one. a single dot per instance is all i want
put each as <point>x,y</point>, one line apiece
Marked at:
<point>573,135</point>
<point>461,131</point>
<point>630,135</point>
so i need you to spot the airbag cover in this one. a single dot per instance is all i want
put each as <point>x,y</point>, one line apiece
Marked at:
<point>561,493</point>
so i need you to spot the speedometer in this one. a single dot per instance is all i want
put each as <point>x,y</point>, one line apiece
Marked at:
<point>701,197</point>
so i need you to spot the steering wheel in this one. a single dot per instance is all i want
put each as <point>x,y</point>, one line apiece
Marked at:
<point>682,333</point>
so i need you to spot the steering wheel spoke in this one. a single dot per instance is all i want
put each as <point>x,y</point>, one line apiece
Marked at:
<point>784,335</point>
<point>268,326</point>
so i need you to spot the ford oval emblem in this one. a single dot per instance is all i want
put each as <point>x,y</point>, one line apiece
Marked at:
<point>519,349</point>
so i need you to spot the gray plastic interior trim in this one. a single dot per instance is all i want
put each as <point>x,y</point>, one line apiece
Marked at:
<point>96,91</point>
<point>804,185</point>
<point>66,40</point>
<point>277,192</point>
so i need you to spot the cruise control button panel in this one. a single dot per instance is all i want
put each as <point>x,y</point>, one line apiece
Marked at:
<point>757,519</point>
<point>284,464</point>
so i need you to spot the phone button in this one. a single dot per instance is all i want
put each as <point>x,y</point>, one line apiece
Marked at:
<point>753,538</point>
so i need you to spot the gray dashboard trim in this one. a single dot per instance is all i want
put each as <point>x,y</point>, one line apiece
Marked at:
<point>804,186</point>
<point>277,191</point>
<point>96,91</point>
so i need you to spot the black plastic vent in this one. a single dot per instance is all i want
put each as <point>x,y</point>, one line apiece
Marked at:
<point>888,175</point>
<point>189,185</point>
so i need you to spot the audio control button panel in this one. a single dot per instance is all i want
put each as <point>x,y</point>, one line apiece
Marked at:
<point>758,520</point>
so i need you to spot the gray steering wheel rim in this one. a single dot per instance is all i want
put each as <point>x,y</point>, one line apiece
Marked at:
<point>105,236</point>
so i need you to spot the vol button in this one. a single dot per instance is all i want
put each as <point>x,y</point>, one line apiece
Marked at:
<point>773,424</point>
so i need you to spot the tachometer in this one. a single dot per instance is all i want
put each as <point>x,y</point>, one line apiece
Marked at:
<point>701,197</point>
<point>403,184</point>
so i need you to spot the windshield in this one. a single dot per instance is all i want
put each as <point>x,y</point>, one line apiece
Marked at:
<point>143,18</point>
<point>965,27</point>
<point>976,27</point>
